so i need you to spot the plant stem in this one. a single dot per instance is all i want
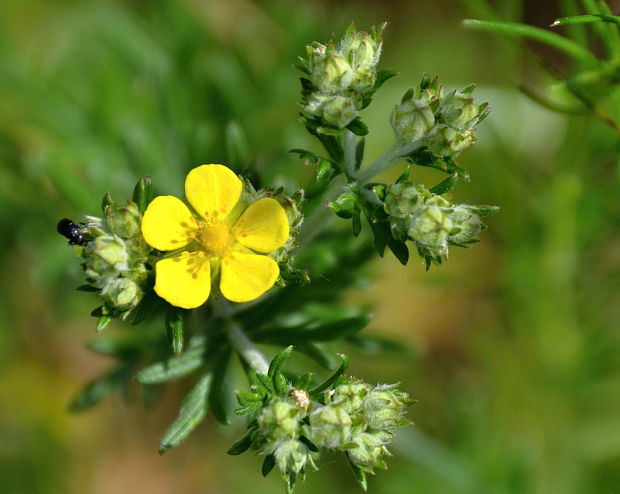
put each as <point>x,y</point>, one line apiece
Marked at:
<point>386,160</point>
<point>242,344</point>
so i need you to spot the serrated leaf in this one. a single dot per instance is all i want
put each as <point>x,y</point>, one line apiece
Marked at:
<point>173,368</point>
<point>192,412</point>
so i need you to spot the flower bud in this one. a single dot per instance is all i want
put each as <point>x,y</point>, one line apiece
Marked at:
<point>402,200</point>
<point>459,110</point>
<point>292,456</point>
<point>350,395</point>
<point>446,141</point>
<point>330,426</point>
<point>124,222</point>
<point>121,293</point>
<point>332,73</point>
<point>370,448</point>
<point>280,420</point>
<point>363,51</point>
<point>412,119</point>
<point>467,225</point>
<point>430,228</point>
<point>336,110</point>
<point>112,251</point>
<point>384,407</point>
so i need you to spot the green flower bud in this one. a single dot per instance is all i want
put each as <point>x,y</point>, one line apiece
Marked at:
<point>459,110</point>
<point>363,51</point>
<point>430,229</point>
<point>280,420</point>
<point>402,200</point>
<point>124,222</point>
<point>467,225</point>
<point>412,119</point>
<point>370,448</point>
<point>446,141</point>
<point>350,395</point>
<point>122,294</point>
<point>330,426</point>
<point>384,407</point>
<point>331,73</point>
<point>336,110</point>
<point>292,456</point>
<point>111,251</point>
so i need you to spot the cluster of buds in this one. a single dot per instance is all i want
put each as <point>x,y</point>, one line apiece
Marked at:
<point>341,77</point>
<point>114,253</point>
<point>444,124</point>
<point>353,417</point>
<point>431,221</point>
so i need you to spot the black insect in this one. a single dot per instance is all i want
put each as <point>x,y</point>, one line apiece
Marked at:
<point>71,230</point>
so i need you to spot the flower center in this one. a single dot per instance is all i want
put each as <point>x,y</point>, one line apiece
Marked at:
<point>214,237</point>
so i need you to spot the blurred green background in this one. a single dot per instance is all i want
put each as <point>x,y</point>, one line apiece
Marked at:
<point>516,361</point>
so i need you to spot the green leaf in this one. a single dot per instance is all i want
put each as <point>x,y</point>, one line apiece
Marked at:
<point>356,224</point>
<point>174,329</point>
<point>336,330</point>
<point>275,367</point>
<point>266,381</point>
<point>303,382</point>
<point>580,19</point>
<point>333,378</point>
<point>316,353</point>
<point>359,152</point>
<point>103,322</point>
<point>268,465</point>
<point>241,445</point>
<point>192,412</point>
<point>87,288</point>
<point>359,474</point>
<point>399,249</point>
<point>445,185</point>
<point>549,38</point>
<point>383,76</point>
<point>143,193</point>
<point>217,396</point>
<point>377,345</point>
<point>173,368</point>
<point>98,389</point>
<point>358,127</point>
<point>106,202</point>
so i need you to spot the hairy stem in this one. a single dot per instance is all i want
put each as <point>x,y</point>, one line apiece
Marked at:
<point>387,160</point>
<point>349,154</point>
<point>242,344</point>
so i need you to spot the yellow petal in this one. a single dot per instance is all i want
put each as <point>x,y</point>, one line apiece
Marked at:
<point>263,227</point>
<point>167,223</point>
<point>212,190</point>
<point>246,277</point>
<point>185,280</point>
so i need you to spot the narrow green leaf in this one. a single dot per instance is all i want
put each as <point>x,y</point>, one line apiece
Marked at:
<point>98,389</point>
<point>268,465</point>
<point>173,368</point>
<point>359,152</point>
<point>383,76</point>
<point>445,185</point>
<point>241,445</point>
<point>303,382</point>
<point>549,38</point>
<point>103,322</point>
<point>266,382</point>
<point>399,249</point>
<point>356,224</point>
<point>143,193</point>
<point>87,288</point>
<point>174,329</point>
<point>336,330</point>
<point>106,202</point>
<point>316,353</point>
<point>278,361</point>
<point>581,19</point>
<point>332,379</point>
<point>192,412</point>
<point>358,127</point>
<point>359,474</point>
<point>217,397</point>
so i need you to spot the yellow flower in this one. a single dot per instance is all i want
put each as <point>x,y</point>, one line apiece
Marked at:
<point>214,239</point>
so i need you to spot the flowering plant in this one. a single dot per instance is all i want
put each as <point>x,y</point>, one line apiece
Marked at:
<point>209,268</point>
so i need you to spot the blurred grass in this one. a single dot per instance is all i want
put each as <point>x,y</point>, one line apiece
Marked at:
<point>516,364</point>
